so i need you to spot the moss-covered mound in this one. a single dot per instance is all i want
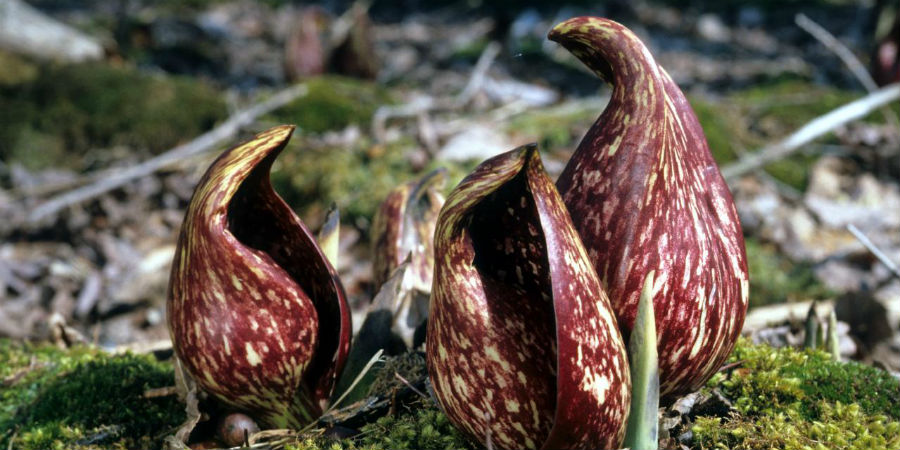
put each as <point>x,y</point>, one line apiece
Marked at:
<point>802,399</point>
<point>425,428</point>
<point>356,178</point>
<point>82,398</point>
<point>333,103</point>
<point>783,398</point>
<point>55,117</point>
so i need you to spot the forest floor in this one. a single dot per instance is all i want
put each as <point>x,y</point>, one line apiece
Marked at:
<point>92,194</point>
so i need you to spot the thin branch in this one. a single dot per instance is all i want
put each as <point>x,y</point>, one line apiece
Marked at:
<point>423,105</point>
<point>862,238</point>
<point>813,129</point>
<point>838,48</point>
<point>160,392</point>
<point>112,179</point>
<point>374,359</point>
<point>409,385</point>
<point>476,80</point>
<point>846,55</point>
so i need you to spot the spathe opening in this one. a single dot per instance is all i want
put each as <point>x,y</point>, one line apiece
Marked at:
<point>510,257</point>
<point>258,218</point>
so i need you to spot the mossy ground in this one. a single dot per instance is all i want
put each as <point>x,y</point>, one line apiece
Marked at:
<point>557,129</point>
<point>356,178</point>
<point>748,119</point>
<point>802,399</point>
<point>776,279</point>
<point>332,103</point>
<point>56,116</point>
<point>82,397</point>
<point>415,424</point>
<point>422,428</point>
<point>783,398</point>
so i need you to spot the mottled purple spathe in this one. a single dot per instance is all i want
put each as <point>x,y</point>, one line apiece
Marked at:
<point>256,313</point>
<point>645,195</point>
<point>523,348</point>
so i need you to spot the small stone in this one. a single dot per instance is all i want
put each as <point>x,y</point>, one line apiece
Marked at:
<point>234,427</point>
<point>476,142</point>
<point>711,28</point>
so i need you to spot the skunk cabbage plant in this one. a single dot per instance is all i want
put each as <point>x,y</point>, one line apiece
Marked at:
<point>523,347</point>
<point>645,195</point>
<point>403,227</point>
<point>256,312</point>
<point>403,235</point>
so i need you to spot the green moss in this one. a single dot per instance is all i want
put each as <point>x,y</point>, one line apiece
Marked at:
<point>788,398</point>
<point>782,106</point>
<point>83,397</point>
<point>557,127</point>
<point>333,103</point>
<point>320,443</point>
<point>27,368</point>
<point>771,380</point>
<point>411,424</point>
<point>471,51</point>
<point>426,429</point>
<point>747,120</point>
<point>15,70</point>
<point>65,111</point>
<point>838,426</point>
<point>725,132</point>
<point>356,178</point>
<point>776,279</point>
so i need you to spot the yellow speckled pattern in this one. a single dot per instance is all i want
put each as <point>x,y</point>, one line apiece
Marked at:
<point>645,195</point>
<point>256,313</point>
<point>521,336</point>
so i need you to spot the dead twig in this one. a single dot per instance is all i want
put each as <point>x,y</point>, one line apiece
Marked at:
<point>273,435</point>
<point>850,60</point>
<point>838,48</point>
<point>479,72</point>
<point>160,392</point>
<point>862,238</point>
<point>112,179</point>
<point>144,347</point>
<point>811,130</point>
<point>409,385</point>
<point>188,392</point>
<point>422,106</point>
<point>730,366</point>
<point>64,336</point>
